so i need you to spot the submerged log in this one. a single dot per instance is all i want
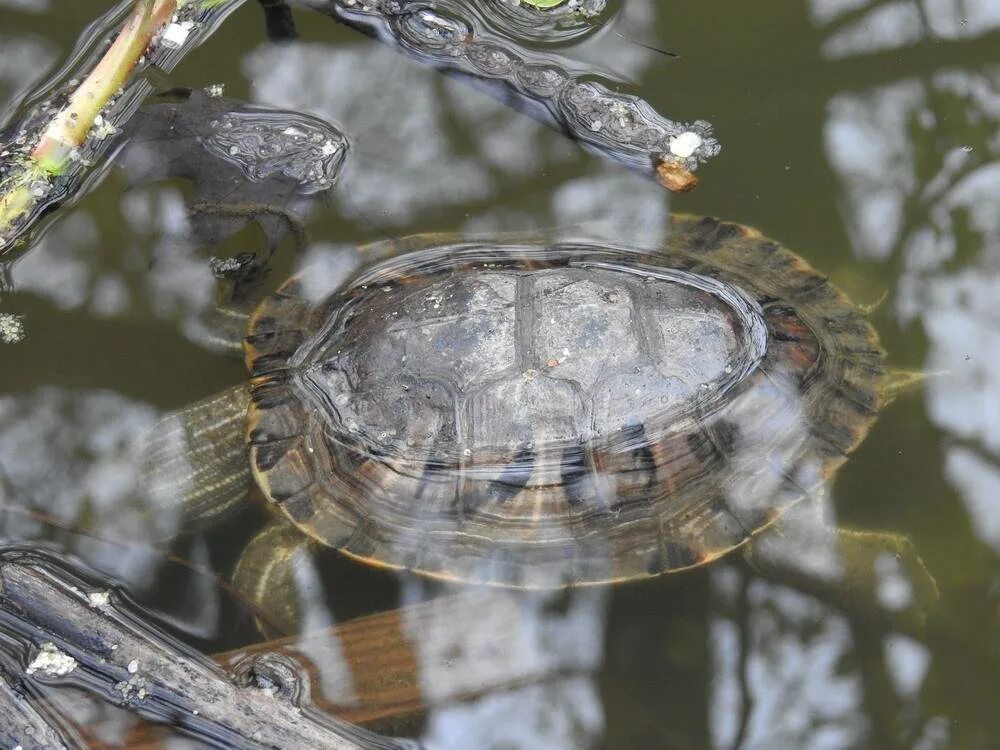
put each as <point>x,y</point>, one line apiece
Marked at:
<point>396,666</point>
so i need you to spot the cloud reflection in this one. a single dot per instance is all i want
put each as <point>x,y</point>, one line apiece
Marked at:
<point>554,640</point>
<point>919,168</point>
<point>917,161</point>
<point>156,272</point>
<point>858,27</point>
<point>73,457</point>
<point>920,199</point>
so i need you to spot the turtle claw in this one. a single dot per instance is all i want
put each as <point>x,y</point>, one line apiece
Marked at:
<point>868,308</point>
<point>887,563</point>
<point>900,382</point>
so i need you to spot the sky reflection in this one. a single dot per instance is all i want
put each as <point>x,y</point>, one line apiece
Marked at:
<point>926,203</point>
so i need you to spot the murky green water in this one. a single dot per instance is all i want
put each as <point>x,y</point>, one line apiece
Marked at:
<point>863,136</point>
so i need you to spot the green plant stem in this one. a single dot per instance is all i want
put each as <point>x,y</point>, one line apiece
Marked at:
<point>70,126</point>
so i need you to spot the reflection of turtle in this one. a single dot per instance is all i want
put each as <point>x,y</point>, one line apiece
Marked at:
<point>539,415</point>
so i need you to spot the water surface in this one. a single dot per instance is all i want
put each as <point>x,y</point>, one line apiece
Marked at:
<point>861,135</point>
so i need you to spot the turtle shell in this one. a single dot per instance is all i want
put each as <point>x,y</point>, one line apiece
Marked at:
<point>553,414</point>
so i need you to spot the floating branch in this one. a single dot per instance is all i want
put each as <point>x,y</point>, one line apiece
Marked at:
<point>80,632</point>
<point>620,126</point>
<point>22,722</point>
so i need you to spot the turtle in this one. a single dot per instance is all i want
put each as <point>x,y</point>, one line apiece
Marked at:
<point>534,413</point>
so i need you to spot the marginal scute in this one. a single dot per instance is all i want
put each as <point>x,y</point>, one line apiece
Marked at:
<point>283,473</point>
<point>534,414</point>
<point>272,391</point>
<point>299,507</point>
<point>268,363</point>
<point>680,556</point>
<point>760,518</point>
<point>275,414</point>
<point>281,343</point>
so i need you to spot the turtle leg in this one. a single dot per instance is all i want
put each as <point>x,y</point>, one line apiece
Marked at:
<point>225,323</point>
<point>861,571</point>
<point>197,471</point>
<point>273,575</point>
<point>195,467</point>
<point>240,276</point>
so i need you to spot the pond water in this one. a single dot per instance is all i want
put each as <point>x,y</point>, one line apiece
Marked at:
<point>861,135</point>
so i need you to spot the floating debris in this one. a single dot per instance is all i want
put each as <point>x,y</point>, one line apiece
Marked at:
<point>621,126</point>
<point>675,177</point>
<point>11,328</point>
<point>99,599</point>
<point>176,34</point>
<point>51,661</point>
<point>686,144</point>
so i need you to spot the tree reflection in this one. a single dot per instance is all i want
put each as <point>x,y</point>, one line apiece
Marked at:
<point>918,164</point>
<point>919,175</point>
